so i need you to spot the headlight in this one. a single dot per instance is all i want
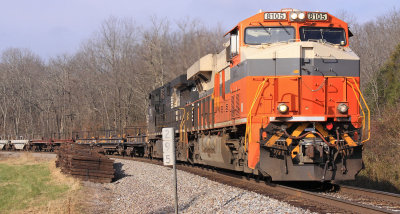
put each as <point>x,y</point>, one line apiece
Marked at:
<point>343,108</point>
<point>293,15</point>
<point>302,16</point>
<point>283,108</point>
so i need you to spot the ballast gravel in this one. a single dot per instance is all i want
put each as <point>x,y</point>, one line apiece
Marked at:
<point>148,188</point>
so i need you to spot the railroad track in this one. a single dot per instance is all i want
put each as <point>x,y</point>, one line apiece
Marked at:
<point>378,202</point>
<point>391,197</point>
<point>384,200</point>
<point>347,200</point>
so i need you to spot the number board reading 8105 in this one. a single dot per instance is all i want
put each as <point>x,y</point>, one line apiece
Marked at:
<point>317,16</point>
<point>275,16</point>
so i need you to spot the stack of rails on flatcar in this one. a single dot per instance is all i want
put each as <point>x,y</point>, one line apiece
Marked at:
<point>282,100</point>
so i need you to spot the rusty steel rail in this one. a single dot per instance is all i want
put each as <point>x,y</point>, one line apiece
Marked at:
<point>386,196</point>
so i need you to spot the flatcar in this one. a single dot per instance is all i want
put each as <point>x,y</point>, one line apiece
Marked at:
<point>21,144</point>
<point>4,144</point>
<point>111,145</point>
<point>131,143</point>
<point>281,100</point>
<point>135,145</point>
<point>46,145</point>
<point>35,145</point>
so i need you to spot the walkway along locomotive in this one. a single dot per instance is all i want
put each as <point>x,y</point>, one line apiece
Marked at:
<point>281,100</point>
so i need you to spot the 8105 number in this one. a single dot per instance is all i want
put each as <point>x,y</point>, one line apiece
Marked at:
<point>317,16</point>
<point>274,16</point>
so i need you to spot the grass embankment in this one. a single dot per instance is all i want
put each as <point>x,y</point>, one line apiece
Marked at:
<point>381,155</point>
<point>29,185</point>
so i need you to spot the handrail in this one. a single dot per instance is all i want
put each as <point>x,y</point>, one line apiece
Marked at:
<point>182,124</point>
<point>359,103</point>
<point>261,87</point>
<point>369,113</point>
<point>249,115</point>
<point>248,128</point>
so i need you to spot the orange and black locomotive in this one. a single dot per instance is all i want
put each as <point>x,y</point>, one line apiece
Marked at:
<point>282,100</point>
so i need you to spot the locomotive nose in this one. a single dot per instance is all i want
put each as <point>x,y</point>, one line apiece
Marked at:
<point>318,59</point>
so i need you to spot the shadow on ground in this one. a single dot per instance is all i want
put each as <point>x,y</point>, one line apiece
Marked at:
<point>182,206</point>
<point>119,172</point>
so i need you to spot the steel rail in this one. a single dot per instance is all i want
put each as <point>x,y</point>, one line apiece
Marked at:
<point>386,196</point>
<point>336,202</point>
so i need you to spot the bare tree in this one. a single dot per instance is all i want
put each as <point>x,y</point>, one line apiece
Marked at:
<point>105,84</point>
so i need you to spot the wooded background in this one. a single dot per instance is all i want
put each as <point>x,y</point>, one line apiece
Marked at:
<point>104,85</point>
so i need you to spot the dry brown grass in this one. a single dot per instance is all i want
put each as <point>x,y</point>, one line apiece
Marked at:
<point>381,154</point>
<point>21,159</point>
<point>66,203</point>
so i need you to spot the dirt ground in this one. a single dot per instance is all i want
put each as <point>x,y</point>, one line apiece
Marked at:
<point>93,198</point>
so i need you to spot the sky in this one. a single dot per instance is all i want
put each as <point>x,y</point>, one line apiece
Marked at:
<point>54,27</point>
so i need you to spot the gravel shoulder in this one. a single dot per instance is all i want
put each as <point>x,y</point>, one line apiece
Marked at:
<point>147,188</point>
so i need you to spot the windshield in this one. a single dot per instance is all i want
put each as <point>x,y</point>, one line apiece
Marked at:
<point>331,35</point>
<point>259,35</point>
